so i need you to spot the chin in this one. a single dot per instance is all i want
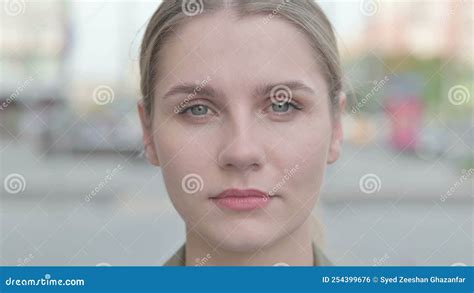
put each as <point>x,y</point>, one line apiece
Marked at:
<point>246,237</point>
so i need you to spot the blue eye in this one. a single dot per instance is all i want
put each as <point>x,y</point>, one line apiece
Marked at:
<point>282,107</point>
<point>197,110</point>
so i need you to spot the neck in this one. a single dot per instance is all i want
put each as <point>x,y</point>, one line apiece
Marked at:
<point>294,249</point>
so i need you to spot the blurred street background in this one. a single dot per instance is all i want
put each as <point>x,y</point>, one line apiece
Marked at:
<point>401,194</point>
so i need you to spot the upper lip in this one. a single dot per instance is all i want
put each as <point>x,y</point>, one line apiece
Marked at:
<point>235,192</point>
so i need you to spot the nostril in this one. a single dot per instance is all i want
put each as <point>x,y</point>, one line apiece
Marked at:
<point>255,166</point>
<point>242,154</point>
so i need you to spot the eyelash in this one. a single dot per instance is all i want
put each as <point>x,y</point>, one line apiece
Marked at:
<point>190,106</point>
<point>296,106</point>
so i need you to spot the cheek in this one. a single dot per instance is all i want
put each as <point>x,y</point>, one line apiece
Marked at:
<point>185,167</point>
<point>309,150</point>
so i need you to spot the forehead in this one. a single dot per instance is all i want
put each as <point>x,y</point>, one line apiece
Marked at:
<point>239,52</point>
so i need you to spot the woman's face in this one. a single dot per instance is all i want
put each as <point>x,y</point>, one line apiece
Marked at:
<point>216,124</point>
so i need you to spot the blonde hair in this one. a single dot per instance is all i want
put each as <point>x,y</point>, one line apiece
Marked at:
<point>306,15</point>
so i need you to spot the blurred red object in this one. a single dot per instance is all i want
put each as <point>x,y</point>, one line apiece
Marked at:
<point>405,115</point>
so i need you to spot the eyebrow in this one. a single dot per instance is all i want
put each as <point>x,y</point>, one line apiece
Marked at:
<point>191,88</point>
<point>292,85</point>
<point>262,90</point>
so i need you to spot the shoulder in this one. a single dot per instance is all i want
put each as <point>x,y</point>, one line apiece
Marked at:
<point>320,259</point>
<point>177,259</point>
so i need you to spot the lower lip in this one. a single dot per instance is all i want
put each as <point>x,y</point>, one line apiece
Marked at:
<point>242,203</point>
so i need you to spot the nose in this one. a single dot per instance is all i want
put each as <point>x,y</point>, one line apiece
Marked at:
<point>241,148</point>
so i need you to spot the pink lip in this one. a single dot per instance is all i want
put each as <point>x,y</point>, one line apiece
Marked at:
<point>242,199</point>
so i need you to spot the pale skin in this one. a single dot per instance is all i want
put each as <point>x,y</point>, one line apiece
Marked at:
<point>233,136</point>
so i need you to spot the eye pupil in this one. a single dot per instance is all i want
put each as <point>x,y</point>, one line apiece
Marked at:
<point>281,107</point>
<point>199,110</point>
